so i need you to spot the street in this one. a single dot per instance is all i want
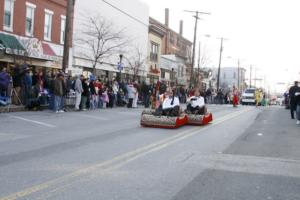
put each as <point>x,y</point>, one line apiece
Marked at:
<point>246,153</point>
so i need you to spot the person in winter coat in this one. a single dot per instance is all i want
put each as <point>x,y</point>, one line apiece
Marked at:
<point>85,94</point>
<point>297,100</point>
<point>4,82</point>
<point>131,94</point>
<point>58,92</point>
<point>94,95</point>
<point>146,92</point>
<point>78,91</point>
<point>293,104</point>
<point>136,96</point>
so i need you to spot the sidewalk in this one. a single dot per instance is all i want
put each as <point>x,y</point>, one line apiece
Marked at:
<point>12,108</point>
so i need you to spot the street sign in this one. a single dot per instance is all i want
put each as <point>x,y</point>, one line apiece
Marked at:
<point>120,66</point>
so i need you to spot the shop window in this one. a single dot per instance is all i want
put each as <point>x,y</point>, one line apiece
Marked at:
<point>163,74</point>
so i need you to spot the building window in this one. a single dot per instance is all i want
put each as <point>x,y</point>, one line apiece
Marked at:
<point>8,15</point>
<point>30,8</point>
<point>48,25</point>
<point>154,52</point>
<point>62,29</point>
<point>163,74</point>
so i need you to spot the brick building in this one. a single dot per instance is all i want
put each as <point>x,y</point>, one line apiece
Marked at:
<point>174,44</point>
<point>32,31</point>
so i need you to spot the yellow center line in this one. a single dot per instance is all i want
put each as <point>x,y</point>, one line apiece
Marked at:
<point>120,160</point>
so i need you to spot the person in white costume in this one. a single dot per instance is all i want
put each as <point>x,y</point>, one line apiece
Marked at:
<point>196,104</point>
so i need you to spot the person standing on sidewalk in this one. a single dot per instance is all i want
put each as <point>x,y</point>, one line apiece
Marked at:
<point>85,94</point>
<point>297,99</point>
<point>58,92</point>
<point>131,94</point>
<point>115,89</point>
<point>146,94</point>
<point>78,91</point>
<point>293,103</point>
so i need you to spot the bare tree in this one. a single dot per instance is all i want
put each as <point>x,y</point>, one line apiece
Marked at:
<point>204,58</point>
<point>101,40</point>
<point>136,62</point>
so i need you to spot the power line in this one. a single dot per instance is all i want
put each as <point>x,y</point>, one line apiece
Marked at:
<point>125,13</point>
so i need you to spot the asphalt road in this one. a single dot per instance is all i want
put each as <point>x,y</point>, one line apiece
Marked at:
<point>246,153</point>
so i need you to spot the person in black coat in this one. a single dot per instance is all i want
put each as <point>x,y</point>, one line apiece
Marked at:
<point>293,103</point>
<point>146,92</point>
<point>85,94</point>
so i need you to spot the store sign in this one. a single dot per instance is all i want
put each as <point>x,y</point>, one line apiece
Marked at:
<point>34,49</point>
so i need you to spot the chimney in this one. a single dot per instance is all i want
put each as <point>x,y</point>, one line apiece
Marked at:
<point>181,27</point>
<point>167,17</point>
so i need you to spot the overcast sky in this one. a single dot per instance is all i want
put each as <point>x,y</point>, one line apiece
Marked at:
<point>264,33</point>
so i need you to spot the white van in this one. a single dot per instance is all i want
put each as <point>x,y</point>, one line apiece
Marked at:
<point>248,97</point>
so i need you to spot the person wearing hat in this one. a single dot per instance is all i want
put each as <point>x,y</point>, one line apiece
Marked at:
<point>293,103</point>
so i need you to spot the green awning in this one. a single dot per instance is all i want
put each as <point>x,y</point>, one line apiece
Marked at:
<point>10,42</point>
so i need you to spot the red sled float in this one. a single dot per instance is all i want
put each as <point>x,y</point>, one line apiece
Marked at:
<point>150,120</point>
<point>199,119</point>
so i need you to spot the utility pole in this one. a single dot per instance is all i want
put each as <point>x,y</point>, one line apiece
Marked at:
<point>255,77</point>
<point>195,40</point>
<point>68,34</point>
<point>238,81</point>
<point>219,69</point>
<point>250,76</point>
<point>199,59</point>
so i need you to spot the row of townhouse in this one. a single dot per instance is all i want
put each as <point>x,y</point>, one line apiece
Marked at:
<point>33,31</point>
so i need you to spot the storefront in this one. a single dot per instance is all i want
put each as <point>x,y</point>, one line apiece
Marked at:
<point>39,56</point>
<point>104,71</point>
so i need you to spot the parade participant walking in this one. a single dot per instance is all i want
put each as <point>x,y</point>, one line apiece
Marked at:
<point>293,104</point>
<point>78,91</point>
<point>235,93</point>
<point>196,104</point>
<point>257,97</point>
